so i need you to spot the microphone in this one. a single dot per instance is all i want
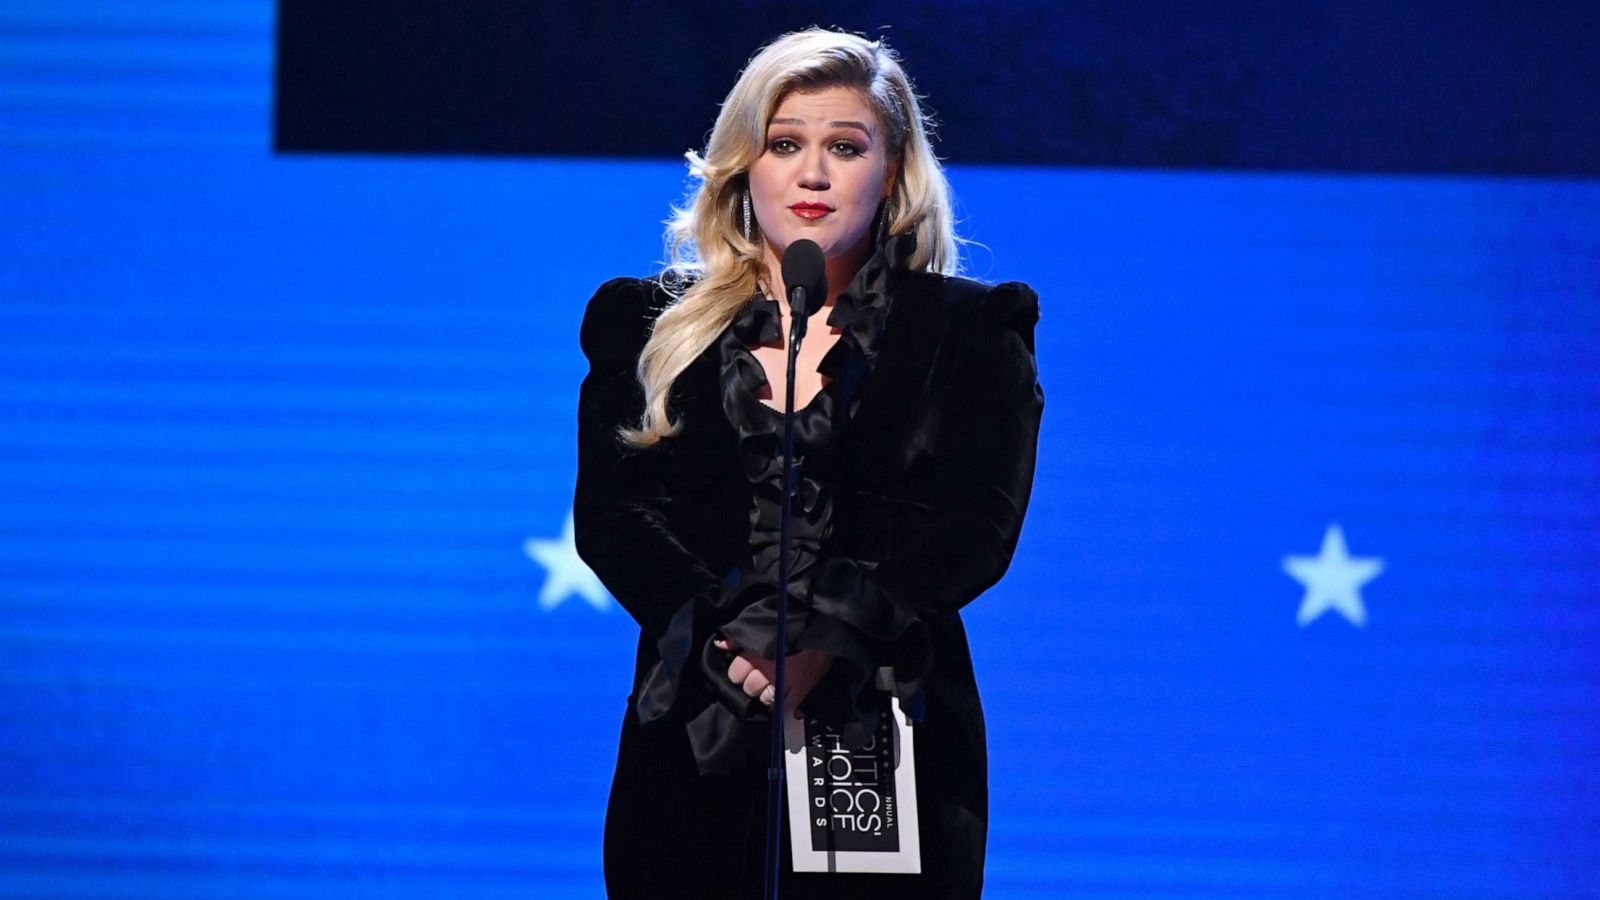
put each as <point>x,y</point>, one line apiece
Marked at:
<point>805,276</point>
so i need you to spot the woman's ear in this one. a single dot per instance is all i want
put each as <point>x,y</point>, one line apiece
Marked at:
<point>891,177</point>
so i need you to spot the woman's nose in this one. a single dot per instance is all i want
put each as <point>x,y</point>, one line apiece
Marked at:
<point>813,172</point>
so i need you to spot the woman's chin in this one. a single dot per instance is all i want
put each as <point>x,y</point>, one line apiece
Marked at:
<point>834,246</point>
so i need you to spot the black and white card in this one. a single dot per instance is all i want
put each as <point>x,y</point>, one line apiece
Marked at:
<point>853,810</point>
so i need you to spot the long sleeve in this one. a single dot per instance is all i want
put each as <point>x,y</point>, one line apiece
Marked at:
<point>948,552</point>
<point>619,505</point>
<point>982,493</point>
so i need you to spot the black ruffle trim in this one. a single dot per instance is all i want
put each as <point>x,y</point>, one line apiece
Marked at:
<point>834,605</point>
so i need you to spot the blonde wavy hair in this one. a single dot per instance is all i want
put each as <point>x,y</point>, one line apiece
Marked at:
<point>713,268</point>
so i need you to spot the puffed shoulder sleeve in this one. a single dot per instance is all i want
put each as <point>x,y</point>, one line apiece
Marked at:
<point>619,504</point>
<point>950,551</point>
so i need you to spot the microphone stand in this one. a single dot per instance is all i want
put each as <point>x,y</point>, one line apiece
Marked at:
<point>799,313</point>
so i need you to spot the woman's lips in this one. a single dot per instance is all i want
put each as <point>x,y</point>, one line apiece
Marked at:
<point>810,210</point>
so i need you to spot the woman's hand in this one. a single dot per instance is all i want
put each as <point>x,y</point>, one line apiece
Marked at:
<point>800,674</point>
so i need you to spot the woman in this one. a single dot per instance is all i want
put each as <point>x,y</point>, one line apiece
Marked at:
<point>918,418</point>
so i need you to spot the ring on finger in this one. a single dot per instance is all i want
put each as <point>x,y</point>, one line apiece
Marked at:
<point>769,695</point>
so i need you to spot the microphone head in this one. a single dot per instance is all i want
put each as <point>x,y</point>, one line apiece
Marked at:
<point>804,266</point>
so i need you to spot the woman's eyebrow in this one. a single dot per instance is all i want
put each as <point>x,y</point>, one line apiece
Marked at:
<point>842,123</point>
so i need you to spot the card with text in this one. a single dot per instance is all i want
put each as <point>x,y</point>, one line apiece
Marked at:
<point>853,810</point>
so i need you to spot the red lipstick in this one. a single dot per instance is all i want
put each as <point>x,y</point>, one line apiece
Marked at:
<point>810,211</point>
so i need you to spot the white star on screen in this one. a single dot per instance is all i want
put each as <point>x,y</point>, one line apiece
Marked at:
<point>565,572</point>
<point>1333,579</point>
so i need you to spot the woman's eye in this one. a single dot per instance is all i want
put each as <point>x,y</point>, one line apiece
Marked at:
<point>784,146</point>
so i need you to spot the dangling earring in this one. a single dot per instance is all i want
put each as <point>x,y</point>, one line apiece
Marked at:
<point>883,219</point>
<point>744,219</point>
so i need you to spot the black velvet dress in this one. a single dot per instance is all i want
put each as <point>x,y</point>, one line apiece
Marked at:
<point>685,535</point>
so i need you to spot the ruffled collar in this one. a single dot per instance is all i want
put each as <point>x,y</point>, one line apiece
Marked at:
<point>860,311</point>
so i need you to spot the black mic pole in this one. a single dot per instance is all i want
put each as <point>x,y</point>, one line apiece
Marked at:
<point>799,313</point>
<point>805,279</point>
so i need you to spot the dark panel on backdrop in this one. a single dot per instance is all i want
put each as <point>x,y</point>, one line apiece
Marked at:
<point>1471,87</point>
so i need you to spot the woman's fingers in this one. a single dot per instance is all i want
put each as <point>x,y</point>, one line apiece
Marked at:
<point>755,683</point>
<point>749,678</point>
<point>752,673</point>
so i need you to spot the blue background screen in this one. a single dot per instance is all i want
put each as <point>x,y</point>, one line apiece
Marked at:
<point>1305,604</point>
